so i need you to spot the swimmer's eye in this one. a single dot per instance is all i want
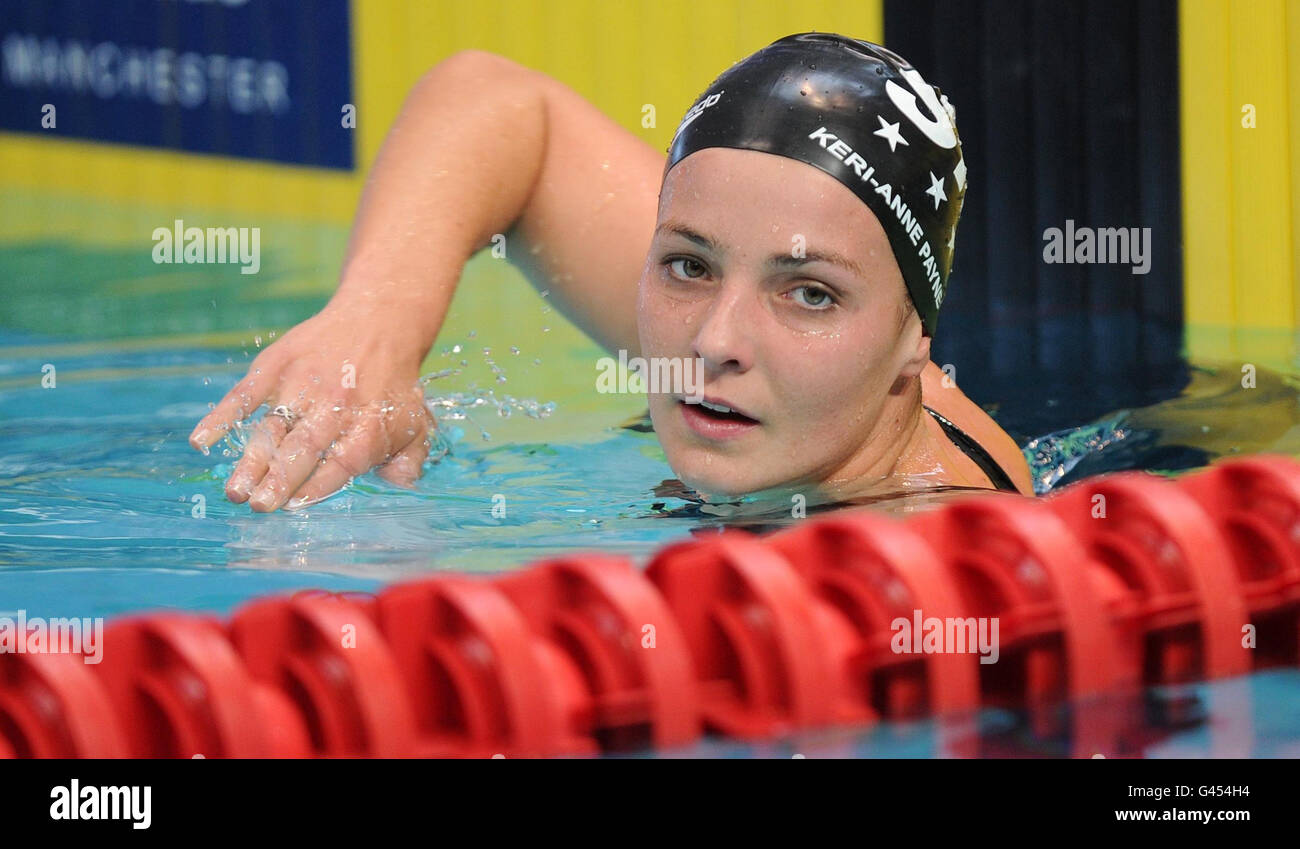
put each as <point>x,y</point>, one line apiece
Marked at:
<point>685,268</point>
<point>815,298</point>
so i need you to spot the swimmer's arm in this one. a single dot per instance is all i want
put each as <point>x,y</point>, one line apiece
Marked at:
<point>484,146</point>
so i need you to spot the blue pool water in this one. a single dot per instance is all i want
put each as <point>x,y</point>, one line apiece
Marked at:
<point>105,509</point>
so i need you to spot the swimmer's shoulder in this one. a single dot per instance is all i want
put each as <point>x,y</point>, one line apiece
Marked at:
<point>951,403</point>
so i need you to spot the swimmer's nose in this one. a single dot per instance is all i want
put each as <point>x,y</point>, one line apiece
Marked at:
<point>724,340</point>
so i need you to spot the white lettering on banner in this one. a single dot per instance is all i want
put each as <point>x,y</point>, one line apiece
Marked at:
<point>109,70</point>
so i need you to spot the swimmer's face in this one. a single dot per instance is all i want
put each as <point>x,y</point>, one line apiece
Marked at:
<point>784,284</point>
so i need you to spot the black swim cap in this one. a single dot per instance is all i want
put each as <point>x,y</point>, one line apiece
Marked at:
<point>863,115</point>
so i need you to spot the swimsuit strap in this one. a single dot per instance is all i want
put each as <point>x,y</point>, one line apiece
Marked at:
<point>976,452</point>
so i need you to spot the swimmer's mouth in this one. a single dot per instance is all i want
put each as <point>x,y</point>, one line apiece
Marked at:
<point>717,408</point>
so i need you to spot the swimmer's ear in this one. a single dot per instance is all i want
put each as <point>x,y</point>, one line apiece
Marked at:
<point>915,347</point>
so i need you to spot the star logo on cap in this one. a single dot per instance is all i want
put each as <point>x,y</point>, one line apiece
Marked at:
<point>889,132</point>
<point>936,189</point>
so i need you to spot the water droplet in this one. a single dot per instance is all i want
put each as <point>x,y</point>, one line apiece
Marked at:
<point>207,381</point>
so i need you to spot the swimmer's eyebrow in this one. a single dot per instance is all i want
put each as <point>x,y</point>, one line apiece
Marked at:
<point>774,261</point>
<point>788,261</point>
<point>687,233</point>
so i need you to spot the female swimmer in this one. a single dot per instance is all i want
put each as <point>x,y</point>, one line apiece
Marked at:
<point>797,241</point>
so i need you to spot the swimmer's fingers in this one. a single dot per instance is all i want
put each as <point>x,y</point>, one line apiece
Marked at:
<point>376,429</point>
<point>406,465</point>
<point>352,455</point>
<point>246,396</point>
<point>366,444</point>
<point>405,421</point>
<point>296,458</point>
<point>408,426</point>
<point>258,451</point>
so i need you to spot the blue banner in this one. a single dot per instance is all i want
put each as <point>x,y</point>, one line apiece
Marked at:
<point>259,79</point>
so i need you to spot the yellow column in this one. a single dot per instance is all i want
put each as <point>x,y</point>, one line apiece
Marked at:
<point>1241,186</point>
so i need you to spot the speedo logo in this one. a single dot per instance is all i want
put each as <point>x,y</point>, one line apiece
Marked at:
<point>696,111</point>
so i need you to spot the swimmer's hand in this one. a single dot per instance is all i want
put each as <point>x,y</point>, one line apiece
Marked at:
<point>351,388</point>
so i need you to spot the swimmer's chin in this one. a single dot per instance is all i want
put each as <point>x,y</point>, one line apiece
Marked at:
<point>719,491</point>
<point>804,493</point>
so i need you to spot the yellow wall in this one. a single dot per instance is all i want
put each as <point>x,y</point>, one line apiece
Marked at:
<point>1241,186</point>
<point>618,53</point>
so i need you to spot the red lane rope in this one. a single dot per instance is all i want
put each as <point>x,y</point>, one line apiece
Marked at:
<point>1111,584</point>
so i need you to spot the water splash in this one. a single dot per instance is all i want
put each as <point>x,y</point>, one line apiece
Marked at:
<point>449,411</point>
<point>1052,456</point>
<point>452,408</point>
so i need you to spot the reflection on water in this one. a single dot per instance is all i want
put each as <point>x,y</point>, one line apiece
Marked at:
<point>1214,416</point>
<point>1247,717</point>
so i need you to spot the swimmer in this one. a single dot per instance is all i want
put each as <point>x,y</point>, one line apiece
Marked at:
<point>797,239</point>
